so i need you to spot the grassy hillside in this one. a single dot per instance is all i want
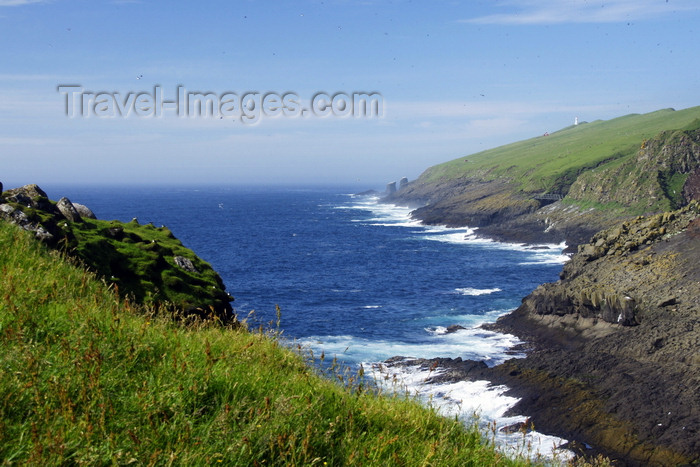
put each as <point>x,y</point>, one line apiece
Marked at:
<point>90,379</point>
<point>551,163</point>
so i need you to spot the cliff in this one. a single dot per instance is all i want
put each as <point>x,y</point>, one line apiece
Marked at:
<point>568,185</point>
<point>144,263</point>
<point>612,347</point>
<point>616,340</point>
<point>612,359</point>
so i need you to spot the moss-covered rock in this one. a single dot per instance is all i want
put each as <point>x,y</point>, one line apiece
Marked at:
<point>144,263</point>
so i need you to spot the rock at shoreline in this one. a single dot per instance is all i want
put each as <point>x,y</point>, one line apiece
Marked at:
<point>664,174</point>
<point>612,348</point>
<point>615,361</point>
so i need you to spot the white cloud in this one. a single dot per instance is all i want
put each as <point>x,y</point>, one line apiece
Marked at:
<point>526,12</point>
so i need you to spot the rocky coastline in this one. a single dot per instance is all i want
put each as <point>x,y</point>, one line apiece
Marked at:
<point>612,347</point>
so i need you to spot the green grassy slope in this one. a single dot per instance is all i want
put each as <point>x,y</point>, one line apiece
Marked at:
<point>551,163</point>
<point>87,378</point>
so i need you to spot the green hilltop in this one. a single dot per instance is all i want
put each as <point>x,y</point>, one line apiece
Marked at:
<point>551,163</point>
<point>567,185</point>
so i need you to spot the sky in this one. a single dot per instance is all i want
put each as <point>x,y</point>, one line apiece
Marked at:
<point>93,92</point>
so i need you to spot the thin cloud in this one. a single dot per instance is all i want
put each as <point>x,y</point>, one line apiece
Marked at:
<point>19,2</point>
<point>534,12</point>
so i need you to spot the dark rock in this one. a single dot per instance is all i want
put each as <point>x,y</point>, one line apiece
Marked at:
<point>454,328</point>
<point>606,345</point>
<point>520,427</point>
<point>116,231</point>
<point>66,208</point>
<point>18,217</point>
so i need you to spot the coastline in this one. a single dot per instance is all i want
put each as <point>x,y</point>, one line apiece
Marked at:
<point>576,381</point>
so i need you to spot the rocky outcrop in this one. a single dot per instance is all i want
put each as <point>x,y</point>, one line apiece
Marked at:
<point>147,264</point>
<point>655,179</point>
<point>390,188</point>
<point>612,347</point>
<point>614,343</point>
<point>30,196</point>
<point>66,208</point>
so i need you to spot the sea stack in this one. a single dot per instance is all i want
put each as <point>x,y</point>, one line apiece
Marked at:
<point>403,183</point>
<point>390,188</point>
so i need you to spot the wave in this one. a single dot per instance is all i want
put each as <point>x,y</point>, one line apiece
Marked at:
<point>476,292</point>
<point>467,400</point>
<point>389,215</point>
<point>471,343</point>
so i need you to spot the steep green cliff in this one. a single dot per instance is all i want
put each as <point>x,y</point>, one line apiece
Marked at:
<point>569,184</point>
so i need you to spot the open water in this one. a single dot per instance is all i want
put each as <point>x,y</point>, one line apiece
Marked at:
<point>355,279</point>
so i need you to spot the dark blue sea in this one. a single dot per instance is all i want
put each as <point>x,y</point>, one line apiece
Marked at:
<point>354,278</point>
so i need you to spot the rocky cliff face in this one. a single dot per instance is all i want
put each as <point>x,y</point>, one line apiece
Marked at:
<point>612,348</point>
<point>615,342</point>
<point>653,180</point>
<point>145,263</point>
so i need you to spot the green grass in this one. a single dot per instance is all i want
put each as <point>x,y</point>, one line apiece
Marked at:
<point>551,163</point>
<point>90,379</point>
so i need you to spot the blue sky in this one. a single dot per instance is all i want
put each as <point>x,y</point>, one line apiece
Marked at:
<point>455,77</point>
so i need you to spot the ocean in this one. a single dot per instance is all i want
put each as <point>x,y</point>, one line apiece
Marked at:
<point>356,280</point>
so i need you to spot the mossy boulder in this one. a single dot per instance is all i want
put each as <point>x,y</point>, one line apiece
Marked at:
<point>145,263</point>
